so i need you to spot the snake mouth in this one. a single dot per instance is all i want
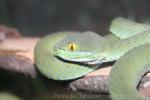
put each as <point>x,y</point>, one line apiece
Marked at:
<point>97,61</point>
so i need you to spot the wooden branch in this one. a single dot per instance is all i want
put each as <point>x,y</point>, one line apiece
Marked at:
<point>16,52</point>
<point>8,32</point>
<point>96,82</point>
<point>91,84</point>
<point>17,55</point>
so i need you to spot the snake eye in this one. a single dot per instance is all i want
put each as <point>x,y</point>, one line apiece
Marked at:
<point>72,47</point>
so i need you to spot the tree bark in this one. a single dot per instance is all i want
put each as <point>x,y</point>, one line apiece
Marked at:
<point>16,52</point>
<point>97,82</point>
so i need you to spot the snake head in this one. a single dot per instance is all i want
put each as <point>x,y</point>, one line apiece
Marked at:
<point>83,47</point>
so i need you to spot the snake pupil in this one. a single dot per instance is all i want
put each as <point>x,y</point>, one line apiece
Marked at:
<point>72,47</point>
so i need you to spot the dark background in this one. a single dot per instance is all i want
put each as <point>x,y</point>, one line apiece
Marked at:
<point>40,17</point>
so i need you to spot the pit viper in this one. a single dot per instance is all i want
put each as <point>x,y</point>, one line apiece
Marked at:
<point>70,55</point>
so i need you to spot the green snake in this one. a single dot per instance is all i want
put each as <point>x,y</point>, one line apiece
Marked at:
<point>64,56</point>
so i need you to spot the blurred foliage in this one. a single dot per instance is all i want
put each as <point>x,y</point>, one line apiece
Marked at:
<point>8,96</point>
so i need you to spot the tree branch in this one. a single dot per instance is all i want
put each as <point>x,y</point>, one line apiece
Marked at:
<point>97,82</point>
<point>16,52</point>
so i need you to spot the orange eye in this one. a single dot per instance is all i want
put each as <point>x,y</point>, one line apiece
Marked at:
<point>72,47</point>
